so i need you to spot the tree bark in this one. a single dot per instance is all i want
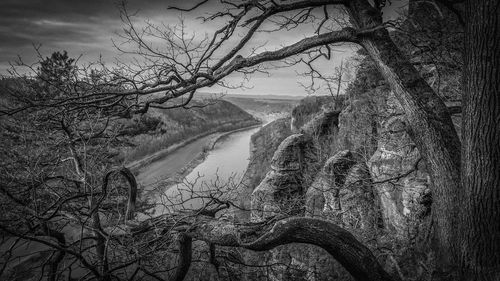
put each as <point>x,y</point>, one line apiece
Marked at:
<point>343,246</point>
<point>185,257</point>
<point>100,247</point>
<point>132,193</point>
<point>430,126</point>
<point>480,251</point>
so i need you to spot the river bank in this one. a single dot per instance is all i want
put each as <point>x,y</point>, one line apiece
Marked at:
<point>170,166</point>
<point>224,128</point>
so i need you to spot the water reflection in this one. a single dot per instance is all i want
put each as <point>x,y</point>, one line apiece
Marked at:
<point>215,178</point>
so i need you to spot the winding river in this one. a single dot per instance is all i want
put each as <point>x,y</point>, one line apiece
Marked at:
<point>218,174</point>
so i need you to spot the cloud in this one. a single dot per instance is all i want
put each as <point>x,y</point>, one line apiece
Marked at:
<point>87,28</point>
<point>77,26</point>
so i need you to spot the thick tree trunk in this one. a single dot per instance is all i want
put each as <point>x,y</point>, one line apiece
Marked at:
<point>262,236</point>
<point>357,259</point>
<point>481,142</point>
<point>185,257</point>
<point>433,133</point>
<point>430,124</point>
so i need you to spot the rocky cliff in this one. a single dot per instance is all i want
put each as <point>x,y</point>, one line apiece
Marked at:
<point>365,173</point>
<point>309,108</point>
<point>282,191</point>
<point>263,144</point>
<point>357,167</point>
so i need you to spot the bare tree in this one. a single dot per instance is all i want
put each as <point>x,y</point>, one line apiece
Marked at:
<point>462,173</point>
<point>59,188</point>
<point>428,117</point>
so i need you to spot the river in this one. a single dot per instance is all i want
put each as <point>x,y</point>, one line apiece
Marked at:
<point>219,174</point>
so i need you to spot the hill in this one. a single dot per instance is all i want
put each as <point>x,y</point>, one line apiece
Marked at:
<point>160,129</point>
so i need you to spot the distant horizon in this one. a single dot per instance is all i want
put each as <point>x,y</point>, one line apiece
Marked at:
<point>262,95</point>
<point>85,29</point>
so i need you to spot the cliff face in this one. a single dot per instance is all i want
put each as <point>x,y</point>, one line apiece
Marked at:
<point>365,173</point>
<point>309,108</point>
<point>281,162</point>
<point>373,127</point>
<point>399,174</point>
<point>357,167</point>
<point>282,191</point>
<point>263,144</point>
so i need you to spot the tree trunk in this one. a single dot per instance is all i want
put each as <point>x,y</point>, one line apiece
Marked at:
<point>185,257</point>
<point>356,258</point>
<point>481,142</point>
<point>132,193</point>
<point>430,126</point>
<point>100,247</point>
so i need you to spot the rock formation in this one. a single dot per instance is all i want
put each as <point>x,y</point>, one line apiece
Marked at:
<point>310,107</point>
<point>399,174</point>
<point>282,190</point>
<point>353,164</point>
<point>323,195</point>
<point>372,180</point>
<point>263,144</point>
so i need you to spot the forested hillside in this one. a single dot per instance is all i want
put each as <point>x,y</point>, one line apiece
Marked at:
<point>263,106</point>
<point>160,129</point>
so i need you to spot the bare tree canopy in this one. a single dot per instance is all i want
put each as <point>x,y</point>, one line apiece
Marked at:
<point>464,172</point>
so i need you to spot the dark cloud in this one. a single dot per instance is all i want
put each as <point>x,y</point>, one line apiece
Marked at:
<point>81,27</point>
<point>86,27</point>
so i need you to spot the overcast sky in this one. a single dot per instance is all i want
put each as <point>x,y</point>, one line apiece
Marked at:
<point>86,28</point>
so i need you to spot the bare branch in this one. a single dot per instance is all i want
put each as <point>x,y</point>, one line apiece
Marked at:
<point>266,235</point>
<point>189,9</point>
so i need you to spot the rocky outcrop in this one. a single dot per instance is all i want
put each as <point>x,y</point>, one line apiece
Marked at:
<point>282,190</point>
<point>293,170</point>
<point>375,184</point>
<point>324,123</point>
<point>359,123</point>
<point>342,192</point>
<point>399,174</point>
<point>323,195</point>
<point>357,201</point>
<point>310,107</point>
<point>372,126</point>
<point>263,144</point>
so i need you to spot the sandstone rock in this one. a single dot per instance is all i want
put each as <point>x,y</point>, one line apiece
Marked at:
<point>359,123</point>
<point>343,193</point>
<point>293,154</point>
<point>309,107</point>
<point>278,193</point>
<point>282,190</point>
<point>399,174</point>
<point>357,201</point>
<point>322,197</point>
<point>263,144</point>
<point>324,123</point>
